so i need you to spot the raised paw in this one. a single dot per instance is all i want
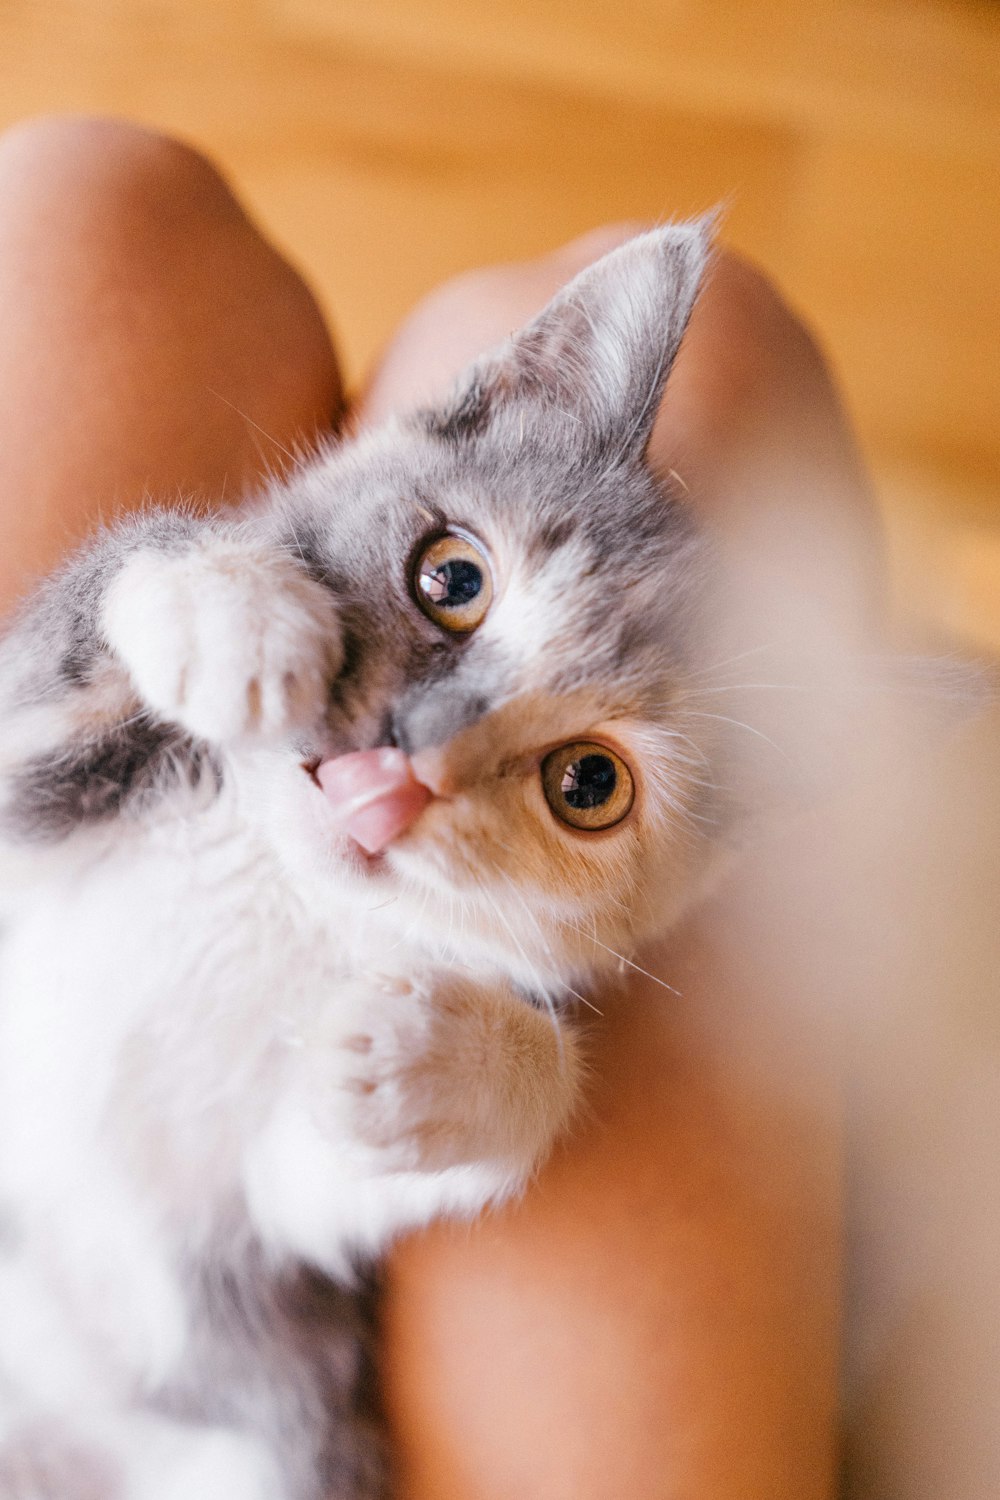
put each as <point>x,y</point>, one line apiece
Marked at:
<point>448,1074</point>
<point>229,638</point>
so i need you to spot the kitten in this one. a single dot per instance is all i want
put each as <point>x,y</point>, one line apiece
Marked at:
<point>314,819</point>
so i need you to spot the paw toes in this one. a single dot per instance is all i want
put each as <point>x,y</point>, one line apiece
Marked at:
<point>254,702</point>
<point>228,640</point>
<point>363,1087</point>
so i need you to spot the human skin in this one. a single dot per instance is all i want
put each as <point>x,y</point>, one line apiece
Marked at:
<point>140,309</point>
<point>659,1315</point>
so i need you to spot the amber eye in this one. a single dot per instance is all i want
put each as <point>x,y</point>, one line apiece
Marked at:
<point>452,583</point>
<point>587,786</point>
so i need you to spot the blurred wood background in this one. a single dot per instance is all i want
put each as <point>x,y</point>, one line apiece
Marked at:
<point>387,144</point>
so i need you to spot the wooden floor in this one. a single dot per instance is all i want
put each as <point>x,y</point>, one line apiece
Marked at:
<point>854,143</point>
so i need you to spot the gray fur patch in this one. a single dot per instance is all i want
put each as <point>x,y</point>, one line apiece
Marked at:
<point>466,418</point>
<point>95,781</point>
<point>288,1356</point>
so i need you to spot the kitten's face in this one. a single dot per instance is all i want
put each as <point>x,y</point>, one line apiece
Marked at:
<point>521,611</point>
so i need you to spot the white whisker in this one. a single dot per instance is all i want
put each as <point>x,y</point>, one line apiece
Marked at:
<point>280,446</point>
<point>729,661</point>
<point>739,724</point>
<point>543,992</point>
<point>621,957</point>
<point>746,687</point>
<point>529,914</point>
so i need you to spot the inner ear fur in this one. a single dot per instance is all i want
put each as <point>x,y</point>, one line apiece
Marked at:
<point>592,366</point>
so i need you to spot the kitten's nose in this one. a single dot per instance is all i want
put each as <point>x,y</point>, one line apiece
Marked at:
<point>374,794</point>
<point>435,715</point>
<point>435,770</point>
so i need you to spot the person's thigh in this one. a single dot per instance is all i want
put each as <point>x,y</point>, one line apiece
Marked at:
<point>154,345</point>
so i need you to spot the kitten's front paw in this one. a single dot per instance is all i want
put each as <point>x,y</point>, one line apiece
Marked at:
<point>229,638</point>
<point>449,1075</point>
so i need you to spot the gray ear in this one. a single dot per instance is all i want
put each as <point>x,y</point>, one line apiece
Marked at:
<point>592,366</point>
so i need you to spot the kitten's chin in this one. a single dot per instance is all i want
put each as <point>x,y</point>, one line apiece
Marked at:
<point>357,862</point>
<point>286,804</point>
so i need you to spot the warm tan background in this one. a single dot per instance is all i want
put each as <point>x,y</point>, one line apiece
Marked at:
<point>388,143</point>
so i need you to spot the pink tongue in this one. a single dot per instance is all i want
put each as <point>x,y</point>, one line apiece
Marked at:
<point>374,795</point>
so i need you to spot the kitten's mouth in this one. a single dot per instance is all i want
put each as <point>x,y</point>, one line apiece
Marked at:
<point>373,795</point>
<point>360,862</point>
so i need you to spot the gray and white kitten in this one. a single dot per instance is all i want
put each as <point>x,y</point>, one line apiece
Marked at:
<point>237,1052</point>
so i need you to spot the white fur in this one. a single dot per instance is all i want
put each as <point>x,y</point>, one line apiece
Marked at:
<point>178,1029</point>
<point>230,639</point>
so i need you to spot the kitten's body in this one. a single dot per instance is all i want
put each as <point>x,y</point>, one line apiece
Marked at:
<point>234,1052</point>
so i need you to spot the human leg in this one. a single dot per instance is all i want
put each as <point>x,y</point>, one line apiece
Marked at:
<point>154,344</point>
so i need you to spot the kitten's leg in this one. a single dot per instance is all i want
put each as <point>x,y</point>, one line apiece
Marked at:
<point>447,1072</point>
<point>168,638</point>
<point>229,638</point>
<point>414,1100</point>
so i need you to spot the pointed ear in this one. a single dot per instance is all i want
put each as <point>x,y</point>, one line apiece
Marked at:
<point>591,368</point>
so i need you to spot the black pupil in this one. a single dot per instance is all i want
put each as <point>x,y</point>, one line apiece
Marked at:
<point>589,781</point>
<point>452,584</point>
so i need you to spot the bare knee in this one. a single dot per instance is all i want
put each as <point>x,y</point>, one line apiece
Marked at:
<point>137,238</point>
<point>143,315</point>
<point>102,177</point>
<point>123,213</point>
